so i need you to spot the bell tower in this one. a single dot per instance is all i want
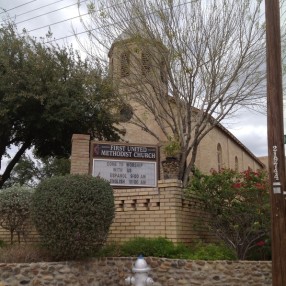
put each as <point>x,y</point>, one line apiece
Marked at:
<point>138,72</point>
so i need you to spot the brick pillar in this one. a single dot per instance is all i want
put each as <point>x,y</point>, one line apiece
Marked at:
<point>171,204</point>
<point>80,154</point>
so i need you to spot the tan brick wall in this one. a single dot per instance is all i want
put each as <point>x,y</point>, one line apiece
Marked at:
<point>149,212</point>
<point>207,153</point>
<point>80,154</point>
<point>30,235</point>
<point>154,212</point>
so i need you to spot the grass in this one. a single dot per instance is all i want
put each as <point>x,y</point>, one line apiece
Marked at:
<point>23,253</point>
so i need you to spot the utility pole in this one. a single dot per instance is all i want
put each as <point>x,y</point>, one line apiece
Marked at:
<point>276,153</point>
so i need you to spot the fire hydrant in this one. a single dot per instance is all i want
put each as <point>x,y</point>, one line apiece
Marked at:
<point>140,271</point>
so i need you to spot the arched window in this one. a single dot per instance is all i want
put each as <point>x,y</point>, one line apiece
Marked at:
<point>125,64</point>
<point>219,157</point>
<point>163,72</point>
<point>146,63</point>
<point>236,164</point>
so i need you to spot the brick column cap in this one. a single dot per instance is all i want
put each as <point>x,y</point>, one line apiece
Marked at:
<point>81,137</point>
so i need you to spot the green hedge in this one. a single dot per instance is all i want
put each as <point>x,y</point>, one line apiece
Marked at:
<point>162,247</point>
<point>73,214</point>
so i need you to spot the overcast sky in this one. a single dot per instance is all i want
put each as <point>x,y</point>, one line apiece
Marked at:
<point>37,16</point>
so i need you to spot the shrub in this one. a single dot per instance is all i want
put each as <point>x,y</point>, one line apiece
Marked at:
<point>159,247</point>
<point>73,214</point>
<point>24,253</point>
<point>212,251</point>
<point>156,247</point>
<point>162,247</point>
<point>238,205</point>
<point>15,207</point>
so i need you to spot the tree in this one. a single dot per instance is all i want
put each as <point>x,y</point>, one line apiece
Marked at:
<point>15,207</point>
<point>212,57</point>
<point>238,205</point>
<point>47,93</point>
<point>30,171</point>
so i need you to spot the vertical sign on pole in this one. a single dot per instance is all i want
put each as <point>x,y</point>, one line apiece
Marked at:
<point>276,153</point>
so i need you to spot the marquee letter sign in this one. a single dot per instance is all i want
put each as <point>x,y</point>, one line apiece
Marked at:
<point>125,165</point>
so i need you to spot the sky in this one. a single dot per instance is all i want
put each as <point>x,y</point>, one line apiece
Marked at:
<point>38,16</point>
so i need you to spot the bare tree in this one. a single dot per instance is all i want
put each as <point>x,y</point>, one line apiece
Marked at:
<point>210,56</point>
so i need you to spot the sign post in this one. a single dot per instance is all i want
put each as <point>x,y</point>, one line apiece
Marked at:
<point>276,153</point>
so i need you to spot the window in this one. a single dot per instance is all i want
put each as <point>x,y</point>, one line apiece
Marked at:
<point>236,164</point>
<point>126,113</point>
<point>163,72</point>
<point>219,157</point>
<point>125,64</point>
<point>146,63</point>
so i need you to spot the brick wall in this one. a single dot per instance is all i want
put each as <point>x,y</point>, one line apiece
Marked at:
<point>80,154</point>
<point>149,212</point>
<point>153,212</point>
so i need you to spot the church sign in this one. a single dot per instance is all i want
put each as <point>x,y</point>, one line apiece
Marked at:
<point>125,165</point>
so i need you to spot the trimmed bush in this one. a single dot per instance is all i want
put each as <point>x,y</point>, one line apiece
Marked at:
<point>156,247</point>
<point>73,214</point>
<point>162,247</point>
<point>15,207</point>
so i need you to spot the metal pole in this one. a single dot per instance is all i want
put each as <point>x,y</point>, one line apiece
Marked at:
<point>276,153</point>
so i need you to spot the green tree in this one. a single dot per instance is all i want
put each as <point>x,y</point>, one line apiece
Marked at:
<point>31,171</point>
<point>47,93</point>
<point>238,205</point>
<point>15,207</point>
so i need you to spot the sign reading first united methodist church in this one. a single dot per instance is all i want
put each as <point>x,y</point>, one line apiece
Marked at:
<point>125,165</point>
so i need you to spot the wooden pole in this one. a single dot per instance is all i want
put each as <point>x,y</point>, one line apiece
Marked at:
<point>276,153</point>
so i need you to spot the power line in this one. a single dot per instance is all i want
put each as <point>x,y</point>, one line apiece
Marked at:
<point>49,12</point>
<point>55,23</point>
<point>97,28</point>
<point>18,15</point>
<point>80,33</point>
<point>72,18</point>
<point>5,11</point>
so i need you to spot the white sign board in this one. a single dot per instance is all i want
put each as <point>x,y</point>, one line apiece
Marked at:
<point>126,173</point>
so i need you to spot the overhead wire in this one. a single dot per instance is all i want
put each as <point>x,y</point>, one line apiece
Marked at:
<point>88,31</point>
<point>33,10</point>
<point>72,18</point>
<point>5,11</point>
<point>44,14</point>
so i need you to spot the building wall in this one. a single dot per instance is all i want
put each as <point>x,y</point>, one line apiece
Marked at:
<point>207,153</point>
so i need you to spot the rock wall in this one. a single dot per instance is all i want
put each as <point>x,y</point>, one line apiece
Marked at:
<point>113,271</point>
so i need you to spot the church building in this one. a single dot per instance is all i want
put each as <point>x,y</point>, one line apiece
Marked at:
<point>138,71</point>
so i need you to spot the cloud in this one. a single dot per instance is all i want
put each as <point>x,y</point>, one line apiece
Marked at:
<point>251,129</point>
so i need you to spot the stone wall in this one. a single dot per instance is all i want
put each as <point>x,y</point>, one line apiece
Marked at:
<point>113,271</point>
